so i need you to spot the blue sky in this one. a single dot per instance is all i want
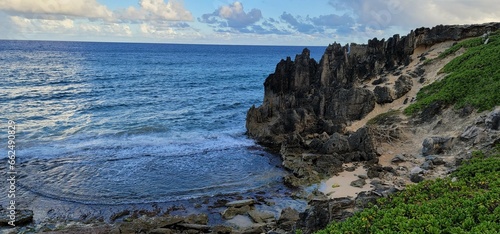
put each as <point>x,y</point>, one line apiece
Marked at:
<point>260,22</point>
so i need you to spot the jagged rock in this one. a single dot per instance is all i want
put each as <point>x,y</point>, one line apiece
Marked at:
<point>416,171</point>
<point>198,227</point>
<point>381,80</point>
<point>430,111</point>
<point>364,199</point>
<point>493,119</point>
<point>21,217</point>
<point>398,159</point>
<point>435,160</point>
<point>470,132</point>
<point>374,171</point>
<point>402,86</point>
<point>383,95</point>
<point>288,219</point>
<point>161,231</point>
<point>320,213</point>
<point>231,212</point>
<point>219,229</point>
<point>436,145</point>
<point>336,144</point>
<point>260,217</point>
<point>416,178</point>
<point>240,203</point>
<point>427,165</point>
<point>359,183</point>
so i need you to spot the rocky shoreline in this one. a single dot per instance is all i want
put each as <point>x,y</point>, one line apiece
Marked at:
<point>339,129</point>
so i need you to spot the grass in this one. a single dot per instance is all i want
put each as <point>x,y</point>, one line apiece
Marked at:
<point>473,78</point>
<point>469,204</point>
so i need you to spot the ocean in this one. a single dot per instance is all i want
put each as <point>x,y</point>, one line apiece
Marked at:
<point>120,123</point>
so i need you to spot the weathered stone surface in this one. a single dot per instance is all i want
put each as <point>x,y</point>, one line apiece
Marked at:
<point>398,159</point>
<point>383,95</point>
<point>21,217</point>
<point>231,212</point>
<point>416,178</point>
<point>402,86</point>
<point>471,132</point>
<point>161,231</point>
<point>288,219</point>
<point>241,203</point>
<point>259,216</point>
<point>321,213</point>
<point>436,145</point>
<point>493,119</point>
<point>358,183</point>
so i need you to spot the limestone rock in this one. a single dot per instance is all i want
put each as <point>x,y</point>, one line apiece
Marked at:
<point>260,217</point>
<point>436,145</point>
<point>231,212</point>
<point>241,203</point>
<point>288,219</point>
<point>383,95</point>
<point>493,119</point>
<point>359,183</point>
<point>402,86</point>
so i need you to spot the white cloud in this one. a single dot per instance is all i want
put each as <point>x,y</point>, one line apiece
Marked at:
<point>173,10</point>
<point>70,8</point>
<point>380,14</point>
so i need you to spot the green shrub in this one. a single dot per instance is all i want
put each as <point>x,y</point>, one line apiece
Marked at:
<point>473,78</point>
<point>468,205</point>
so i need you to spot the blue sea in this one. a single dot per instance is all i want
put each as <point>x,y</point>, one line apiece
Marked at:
<point>119,123</point>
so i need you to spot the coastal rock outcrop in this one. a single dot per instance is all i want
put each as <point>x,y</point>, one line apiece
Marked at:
<point>308,104</point>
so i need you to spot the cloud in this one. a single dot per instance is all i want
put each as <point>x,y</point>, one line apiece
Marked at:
<point>329,24</point>
<point>233,17</point>
<point>156,10</point>
<point>77,18</point>
<point>383,14</point>
<point>68,8</point>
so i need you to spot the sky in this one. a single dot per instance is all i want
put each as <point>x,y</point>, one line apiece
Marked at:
<point>241,22</point>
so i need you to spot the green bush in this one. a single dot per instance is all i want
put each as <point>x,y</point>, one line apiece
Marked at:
<point>473,78</point>
<point>469,204</point>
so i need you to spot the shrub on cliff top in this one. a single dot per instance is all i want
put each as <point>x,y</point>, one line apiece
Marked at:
<point>473,78</point>
<point>469,204</point>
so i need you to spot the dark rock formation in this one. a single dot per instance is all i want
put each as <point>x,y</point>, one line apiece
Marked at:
<point>304,97</point>
<point>436,145</point>
<point>383,95</point>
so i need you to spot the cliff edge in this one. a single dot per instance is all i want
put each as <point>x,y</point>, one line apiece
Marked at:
<point>317,112</point>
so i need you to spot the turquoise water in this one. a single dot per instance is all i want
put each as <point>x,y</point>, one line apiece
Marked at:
<point>118,123</point>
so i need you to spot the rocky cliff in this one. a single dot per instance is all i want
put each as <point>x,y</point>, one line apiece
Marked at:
<point>309,107</point>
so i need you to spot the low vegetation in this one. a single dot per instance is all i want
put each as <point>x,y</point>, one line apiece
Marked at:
<point>473,78</point>
<point>465,202</point>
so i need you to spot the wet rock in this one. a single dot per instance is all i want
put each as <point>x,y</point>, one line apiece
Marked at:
<point>198,227</point>
<point>241,203</point>
<point>21,217</point>
<point>161,231</point>
<point>261,217</point>
<point>359,183</point>
<point>220,229</point>
<point>383,95</point>
<point>288,219</point>
<point>231,212</point>
<point>436,145</point>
